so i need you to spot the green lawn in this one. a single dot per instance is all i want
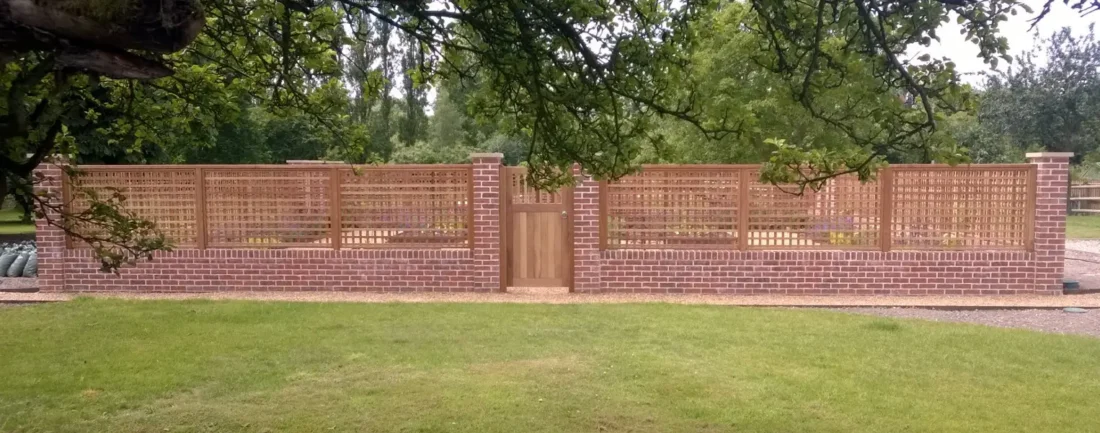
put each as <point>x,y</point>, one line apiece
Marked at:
<point>11,222</point>
<point>1083,227</point>
<point>117,366</point>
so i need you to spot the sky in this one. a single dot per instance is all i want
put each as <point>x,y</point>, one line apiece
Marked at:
<point>1018,31</point>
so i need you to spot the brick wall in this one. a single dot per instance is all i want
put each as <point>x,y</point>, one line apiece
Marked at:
<point>278,270</point>
<point>860,272</point>
<point>486,247</point>
<point>586,233</point>
<point>1051,196</point>
<point>818,272</point>
<point>647,271</point>
<point>209,270</point>
<point>50,239</point>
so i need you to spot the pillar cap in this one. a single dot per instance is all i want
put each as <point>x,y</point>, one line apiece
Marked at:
<point>486,155</point>
<point>1049,154</point>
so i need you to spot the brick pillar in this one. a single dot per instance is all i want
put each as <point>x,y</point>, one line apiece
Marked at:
<point>586,233</point>
<point>50,239</point>
<point>1051,192</point>
<point>486,248</point>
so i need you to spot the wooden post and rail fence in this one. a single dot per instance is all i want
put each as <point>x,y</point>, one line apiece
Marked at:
<point>1084,199</point>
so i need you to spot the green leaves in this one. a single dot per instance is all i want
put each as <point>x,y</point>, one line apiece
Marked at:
<point>1052,104</point>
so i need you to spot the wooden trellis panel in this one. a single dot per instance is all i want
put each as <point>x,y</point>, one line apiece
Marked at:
<point>267,207</point>
<point>843,214</point>
<point>674,207</point>
<point>979,207</point>
<point>929,207</point>
<point>406,206</point>
<point>165,195</point>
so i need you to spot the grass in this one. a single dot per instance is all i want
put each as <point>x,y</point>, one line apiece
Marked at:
<point>11,222</point>
<point>1083,227</point>
<point>203,366</point>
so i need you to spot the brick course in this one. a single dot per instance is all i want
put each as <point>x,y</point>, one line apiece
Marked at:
<point>586,233</point>
<point>279,270</point>
<point>1051,195</point>
<point>818,272</point>
<point>50,239</point>
<point>486,247</point>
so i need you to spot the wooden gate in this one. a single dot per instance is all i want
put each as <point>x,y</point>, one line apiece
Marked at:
<point>536,233</point>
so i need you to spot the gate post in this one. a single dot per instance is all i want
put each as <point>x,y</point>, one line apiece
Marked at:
<point>1051,186</point>
<point>586,233</point>
<point>485,249</point>
<point>48,180</point>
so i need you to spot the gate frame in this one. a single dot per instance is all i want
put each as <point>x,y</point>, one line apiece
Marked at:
<point>506,250</point>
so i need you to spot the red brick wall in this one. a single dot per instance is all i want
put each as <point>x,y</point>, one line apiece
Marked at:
<point>650,271</point>
<point>486,247</point>
<point>1051,195</point>
<point>818,272</point>
<point>586,233</point>
<point>861,273</point>
<point>50,239</point>
<point>216,270</point>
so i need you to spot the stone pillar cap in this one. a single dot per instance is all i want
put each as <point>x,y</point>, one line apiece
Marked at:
<point>1049,154</point>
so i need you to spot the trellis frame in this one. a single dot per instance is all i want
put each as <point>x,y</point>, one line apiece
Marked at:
<point>452,202</point>
<point>442,197</point>
<point>1019,183</point>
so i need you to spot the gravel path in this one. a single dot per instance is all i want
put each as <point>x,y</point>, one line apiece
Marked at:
<point>1091,301</point>
<point>1055,321</point>
<point>18,283</point>
<point>1086,245</point>
<point>1083,262</point>
<point>1083,268</point>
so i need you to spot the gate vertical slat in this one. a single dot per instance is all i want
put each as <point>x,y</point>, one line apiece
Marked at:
<point>886,207</point>
<point>504,190</point>
<point>200,208</point>
<point>743,180</point>
<point>335,222</point>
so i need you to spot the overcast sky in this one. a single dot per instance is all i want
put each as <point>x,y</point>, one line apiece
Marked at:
<point>1017,29</point>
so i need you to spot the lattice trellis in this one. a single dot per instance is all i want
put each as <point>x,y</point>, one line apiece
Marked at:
<point>674,207</point>
<point>975,207</point>
<point>276,207</point>
<point>407,206</point>
<point>163,195</point>
<point>844,214</point>
<point>929,206</point>
<point>521,192</point>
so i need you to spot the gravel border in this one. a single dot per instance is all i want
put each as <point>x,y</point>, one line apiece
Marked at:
<point>1084,245</point>
<point>18,283</point>
<point>1010,312</point>
<point>1033,301</point>
<point>1051,321</point>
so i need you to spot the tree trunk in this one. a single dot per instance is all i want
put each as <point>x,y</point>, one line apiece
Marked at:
<point>162,26</point>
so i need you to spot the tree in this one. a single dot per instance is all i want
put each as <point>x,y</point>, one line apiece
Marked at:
<point>982,145</point>
<point>1051,103</point>
<point>412,126</point>
<point>772,119</point>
